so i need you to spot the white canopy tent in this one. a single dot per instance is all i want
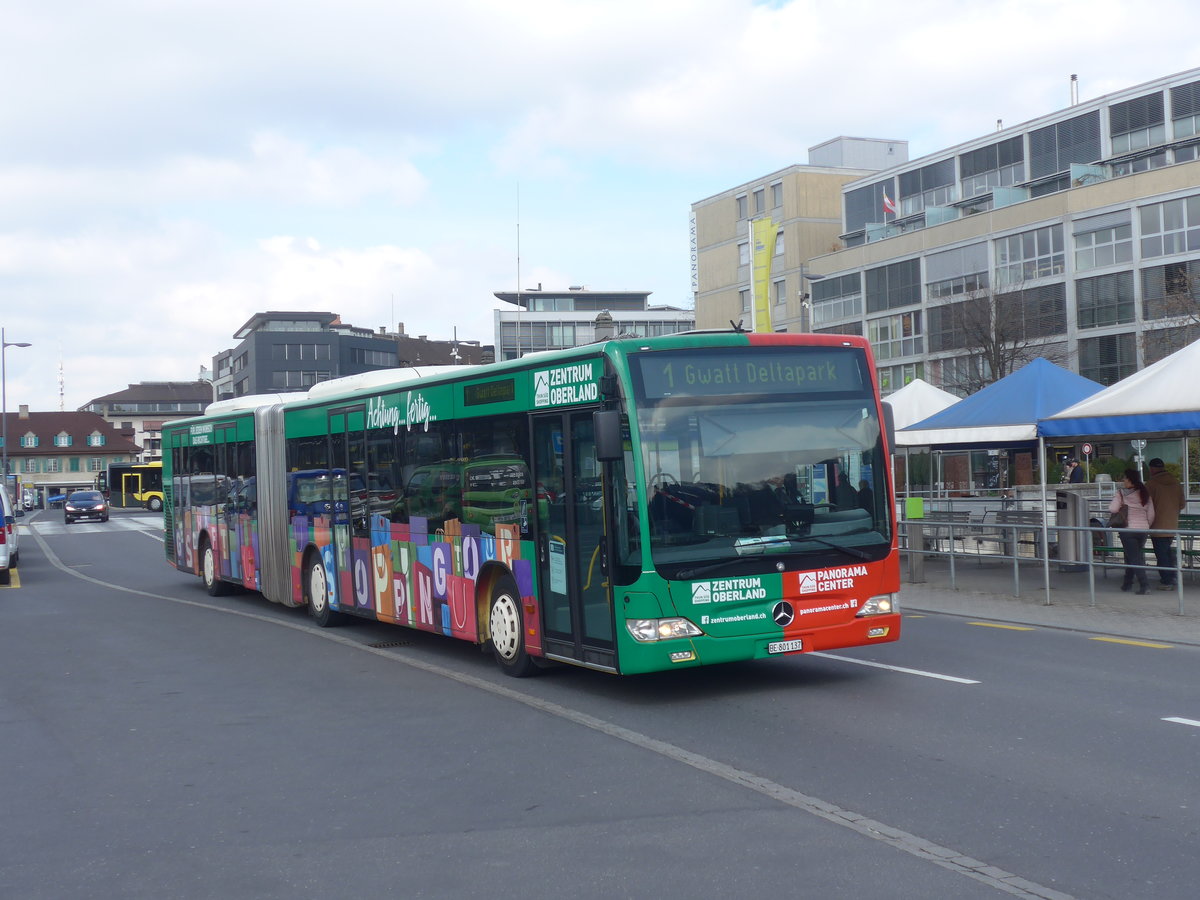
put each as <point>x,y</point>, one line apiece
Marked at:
<point>915,401</point>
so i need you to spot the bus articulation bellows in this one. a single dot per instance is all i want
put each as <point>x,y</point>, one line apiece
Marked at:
<point>630,506</point>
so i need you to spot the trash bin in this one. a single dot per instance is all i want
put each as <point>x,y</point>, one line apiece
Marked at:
<point>1074,547</point>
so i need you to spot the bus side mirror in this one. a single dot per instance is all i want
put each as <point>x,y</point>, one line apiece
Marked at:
<point>889,425</point>
<point>606,425</point>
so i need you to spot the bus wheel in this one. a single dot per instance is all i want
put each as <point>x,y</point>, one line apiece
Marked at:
<point>155,504</point>
<point>506,624</point>
<point>208,571</point>
<point>316,592</point>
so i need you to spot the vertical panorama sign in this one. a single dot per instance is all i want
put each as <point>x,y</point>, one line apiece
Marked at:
<point>564,385</point>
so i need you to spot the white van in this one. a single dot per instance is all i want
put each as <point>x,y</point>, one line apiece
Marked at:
<point>8,537</point>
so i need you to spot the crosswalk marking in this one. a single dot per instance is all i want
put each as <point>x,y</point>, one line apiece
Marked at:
<point>121,523</point>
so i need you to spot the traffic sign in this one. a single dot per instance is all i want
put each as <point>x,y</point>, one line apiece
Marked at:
<point>1087,449</point>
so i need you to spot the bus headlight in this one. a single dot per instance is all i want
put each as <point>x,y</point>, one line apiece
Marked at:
<point>883,605</point>
<point>646,630</point>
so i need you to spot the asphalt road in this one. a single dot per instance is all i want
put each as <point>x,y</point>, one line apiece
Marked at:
<point>161,743</point>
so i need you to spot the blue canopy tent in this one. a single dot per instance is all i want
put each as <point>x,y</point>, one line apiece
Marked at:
<point>1004,414</point>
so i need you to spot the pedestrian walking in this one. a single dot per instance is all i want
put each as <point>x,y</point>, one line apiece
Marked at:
<point>1167,494</point>
<point>1139,519</point>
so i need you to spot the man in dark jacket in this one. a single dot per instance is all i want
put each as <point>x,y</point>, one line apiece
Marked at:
<point>1169,501</point>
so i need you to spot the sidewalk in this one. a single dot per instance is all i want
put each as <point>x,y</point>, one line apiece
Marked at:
<point>985,591</point>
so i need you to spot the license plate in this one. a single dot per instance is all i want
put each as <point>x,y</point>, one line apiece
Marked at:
<point>785,646</point>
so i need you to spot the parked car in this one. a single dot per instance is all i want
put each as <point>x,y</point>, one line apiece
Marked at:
<point>85,505</point>
<point>8,536</point>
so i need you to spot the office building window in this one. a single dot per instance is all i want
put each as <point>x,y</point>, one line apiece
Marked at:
<point>1137,124</point>
<point>1185,109</point>
<point>1105,300</point>
<point>741,206</point>
<point>957,326</point>
<point>744,296</point>
<point>957,272</point>
<point>836,298</point>
<point>744,253</point>
<point>1108,358</point>
<point>779,289</point>
<point>760,201</point>
<point>928,186</point>
<point>1052,149</point>
<point>1171,291</point>
<point>1030,255</point>
<point>999,165</point>
<point>895,336</point>
<point>1170,227</point>
<point>1103,241</point>
<point>892,378</point>
<point>889,287</point>
<point>779,242</point>
<point>777,195</point>
<point>1034,312</point>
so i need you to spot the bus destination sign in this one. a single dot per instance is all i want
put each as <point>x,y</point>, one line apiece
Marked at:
<point>760,371</point>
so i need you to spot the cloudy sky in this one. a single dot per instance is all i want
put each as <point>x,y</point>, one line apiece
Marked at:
<point>170,167</point>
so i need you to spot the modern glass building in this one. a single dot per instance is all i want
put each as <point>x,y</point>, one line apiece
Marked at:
<point>1075,236</point>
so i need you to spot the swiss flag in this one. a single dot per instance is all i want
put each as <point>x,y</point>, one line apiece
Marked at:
<point>888,205</point>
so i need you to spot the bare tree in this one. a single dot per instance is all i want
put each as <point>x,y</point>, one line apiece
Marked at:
<point>1000,333</point>
<point>1172,298</point>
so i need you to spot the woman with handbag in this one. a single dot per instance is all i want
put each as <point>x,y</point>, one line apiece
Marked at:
<point>1133,500</point>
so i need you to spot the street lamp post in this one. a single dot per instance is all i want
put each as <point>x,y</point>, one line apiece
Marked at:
<point>806,298</point>
<point>4,401</point>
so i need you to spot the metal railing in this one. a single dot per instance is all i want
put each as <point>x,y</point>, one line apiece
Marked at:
<point>1030,539</point>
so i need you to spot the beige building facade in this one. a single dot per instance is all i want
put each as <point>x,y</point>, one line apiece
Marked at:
<point>805,202</point>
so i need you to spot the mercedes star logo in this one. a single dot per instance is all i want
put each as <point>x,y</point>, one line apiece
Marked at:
<point>783,613</point>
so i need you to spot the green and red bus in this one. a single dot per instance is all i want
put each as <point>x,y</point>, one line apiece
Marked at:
<point>629,506</point>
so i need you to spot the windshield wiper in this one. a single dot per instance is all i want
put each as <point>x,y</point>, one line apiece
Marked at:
<point>851,551</point>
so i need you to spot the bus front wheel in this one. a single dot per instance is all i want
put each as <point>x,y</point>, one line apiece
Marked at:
<point>316,592</point>
<point>506,624</point>
<point>208,571</point>
<point>155,504</point>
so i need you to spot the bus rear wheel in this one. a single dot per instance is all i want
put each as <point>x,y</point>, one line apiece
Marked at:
<point>506,625</point>
<point>316,592</point>
<point>208,571</point>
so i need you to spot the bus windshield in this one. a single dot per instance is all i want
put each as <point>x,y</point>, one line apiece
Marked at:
<point>792,469</point>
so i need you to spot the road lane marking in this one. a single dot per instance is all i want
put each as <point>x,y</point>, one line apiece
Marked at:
<point>1179,721</point>
<point>998,625</point>
<point>944,857</point>
<point>901,669</point>
<point>1132,643</point>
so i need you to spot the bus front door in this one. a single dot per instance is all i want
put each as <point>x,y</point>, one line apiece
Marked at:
<point>577,616</point>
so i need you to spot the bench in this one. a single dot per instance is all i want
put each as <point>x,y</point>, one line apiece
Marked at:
<point>1010,529</point>
<point>943,525</point>
<point>1189,544</point>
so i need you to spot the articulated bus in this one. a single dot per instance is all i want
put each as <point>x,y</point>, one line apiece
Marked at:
<point>133,484</point>
<point>629,506</point>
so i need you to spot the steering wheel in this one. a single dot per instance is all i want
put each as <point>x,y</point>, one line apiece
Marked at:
<point>662,478</point>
